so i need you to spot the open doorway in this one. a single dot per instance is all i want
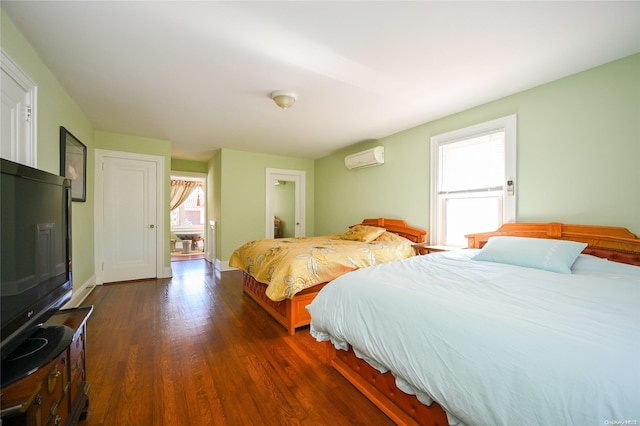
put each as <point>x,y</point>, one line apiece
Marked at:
<point>188,216</point>
<point>285,203</point>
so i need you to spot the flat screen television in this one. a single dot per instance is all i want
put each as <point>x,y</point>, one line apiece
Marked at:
<point>35,253</point>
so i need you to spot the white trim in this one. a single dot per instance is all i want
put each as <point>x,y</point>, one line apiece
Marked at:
<point>210,243</point>
<point>223,266</point>
<point>297,176</point>
<point>202,178</point>
<point>509,124</point>
<point>167,272</point>
<point>161,183</point>
<point>81,293</point>
<point>27,153</point>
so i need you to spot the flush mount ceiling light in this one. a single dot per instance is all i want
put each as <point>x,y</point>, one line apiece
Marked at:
<point>283,98</point>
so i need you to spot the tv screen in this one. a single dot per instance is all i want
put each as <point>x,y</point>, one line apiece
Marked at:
<point>35,250</point>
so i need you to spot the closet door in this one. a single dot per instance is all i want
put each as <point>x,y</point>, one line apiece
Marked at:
<point>129,228</point>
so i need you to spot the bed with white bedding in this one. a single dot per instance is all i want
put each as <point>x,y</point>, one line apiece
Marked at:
<point>496,343</point>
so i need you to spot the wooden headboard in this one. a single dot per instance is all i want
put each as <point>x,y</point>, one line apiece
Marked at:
<point>609,242</point>
<point>400,227</point>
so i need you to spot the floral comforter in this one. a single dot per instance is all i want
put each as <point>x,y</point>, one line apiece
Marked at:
<point>289,265</point>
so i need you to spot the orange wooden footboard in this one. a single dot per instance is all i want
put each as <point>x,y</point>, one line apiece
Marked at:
<point>402,408</point>
<point>291,313</point>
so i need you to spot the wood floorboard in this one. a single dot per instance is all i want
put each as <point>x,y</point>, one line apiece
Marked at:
<point>193,350</point>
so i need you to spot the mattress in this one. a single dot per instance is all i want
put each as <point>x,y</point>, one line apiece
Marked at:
<point>494,343</point>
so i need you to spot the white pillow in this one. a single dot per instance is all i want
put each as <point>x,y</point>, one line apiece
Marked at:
<point>587,264</point>
<point>538,253</point>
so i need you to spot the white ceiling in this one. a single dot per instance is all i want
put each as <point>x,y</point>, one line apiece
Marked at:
<point>200,73</point>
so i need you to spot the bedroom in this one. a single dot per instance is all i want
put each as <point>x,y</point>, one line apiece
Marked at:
<point>578,161</point>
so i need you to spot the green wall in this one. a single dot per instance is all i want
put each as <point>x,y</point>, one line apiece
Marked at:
<point>578,157</point>
<point>242,198</point>
<point>578,160</point>
<point>180,165</point>
<point>55,109</point>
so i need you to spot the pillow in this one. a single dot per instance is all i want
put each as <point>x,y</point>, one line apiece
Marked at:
<point>587,264</point>
<point>391,238</point>
<point>538,253</point>
<point>363,233</point>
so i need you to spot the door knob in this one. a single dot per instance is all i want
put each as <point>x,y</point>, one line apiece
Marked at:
<point>152,226</point>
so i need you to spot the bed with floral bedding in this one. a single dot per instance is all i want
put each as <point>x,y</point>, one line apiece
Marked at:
<point>283,275</point>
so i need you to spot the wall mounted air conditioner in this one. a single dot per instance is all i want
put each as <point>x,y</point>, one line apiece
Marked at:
<point>368,158</point>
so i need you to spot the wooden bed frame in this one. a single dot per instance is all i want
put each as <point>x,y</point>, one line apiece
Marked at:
<point>613,243</point>
<point>292,313</point>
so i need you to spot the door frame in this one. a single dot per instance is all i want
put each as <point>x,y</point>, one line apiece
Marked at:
<point>161,210</point>
<point>297,176</point>
<point>25,148</point>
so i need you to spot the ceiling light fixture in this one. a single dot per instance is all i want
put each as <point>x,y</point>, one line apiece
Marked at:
<point>283,98</point>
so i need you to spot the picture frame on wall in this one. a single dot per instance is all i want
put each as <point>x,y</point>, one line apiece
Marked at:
<point>73,164</point>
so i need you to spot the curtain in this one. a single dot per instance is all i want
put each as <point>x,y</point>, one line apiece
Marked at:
<point>180,191</point>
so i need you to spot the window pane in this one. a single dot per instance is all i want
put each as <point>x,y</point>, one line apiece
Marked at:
<point>196,197</point>
<point>472,163</point>
<point>175,217</point>
<point>192,217</point>
<point>470,215</point>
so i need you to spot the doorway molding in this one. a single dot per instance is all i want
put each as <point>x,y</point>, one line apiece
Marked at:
<point>20,127</point>
<point>208,228</point>
<point>297,176</point>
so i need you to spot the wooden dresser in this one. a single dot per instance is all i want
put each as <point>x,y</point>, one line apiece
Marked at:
<point>56,393</point>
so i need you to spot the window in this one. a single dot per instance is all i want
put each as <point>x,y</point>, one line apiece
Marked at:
<point>190,215</point>
<point>472,180</point>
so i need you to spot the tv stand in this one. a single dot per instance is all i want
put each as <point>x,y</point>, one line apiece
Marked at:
<point>45,344</point>
<point>51,386</point>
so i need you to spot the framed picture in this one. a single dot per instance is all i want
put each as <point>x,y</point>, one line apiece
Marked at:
<point>73,164</point>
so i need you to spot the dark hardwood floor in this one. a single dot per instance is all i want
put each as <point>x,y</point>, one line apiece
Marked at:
<point>193,350</point>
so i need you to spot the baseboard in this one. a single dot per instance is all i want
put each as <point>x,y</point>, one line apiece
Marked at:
<point>223,265</point>
<point>168,272</point>
<point>81,293</point>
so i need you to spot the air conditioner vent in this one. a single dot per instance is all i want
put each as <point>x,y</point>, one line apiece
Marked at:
<point>370,157</point>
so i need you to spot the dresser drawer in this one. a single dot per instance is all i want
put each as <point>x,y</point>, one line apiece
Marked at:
<point>53,387</point>
<point>59,412</point>
<point>77,364</point>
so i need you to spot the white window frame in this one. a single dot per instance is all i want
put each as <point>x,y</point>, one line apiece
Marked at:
<point>509,124</point>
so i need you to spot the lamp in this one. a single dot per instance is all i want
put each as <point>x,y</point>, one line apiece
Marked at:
<point>283,98</point>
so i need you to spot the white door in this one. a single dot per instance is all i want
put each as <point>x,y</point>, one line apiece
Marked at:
<point>129,219</point>
<point>17,138</point>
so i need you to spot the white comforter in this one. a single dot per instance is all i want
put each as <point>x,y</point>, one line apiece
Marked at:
<point>495,344</point>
